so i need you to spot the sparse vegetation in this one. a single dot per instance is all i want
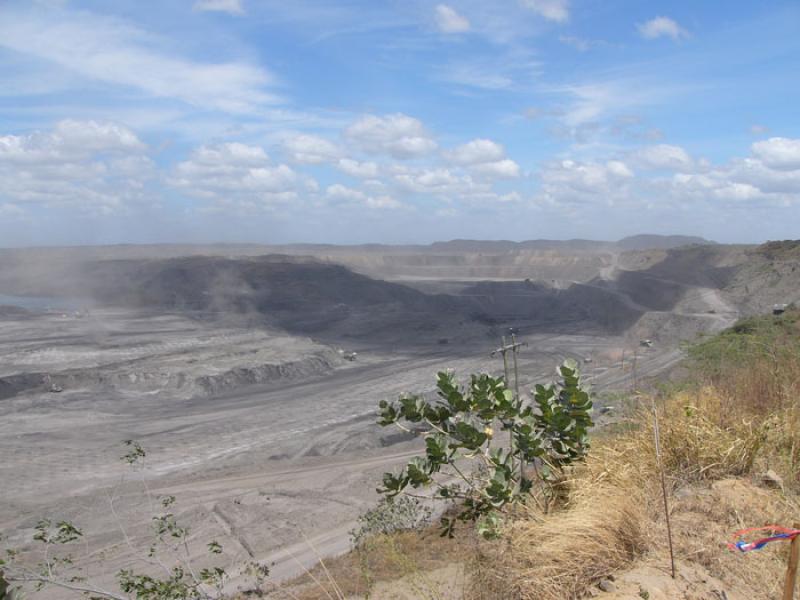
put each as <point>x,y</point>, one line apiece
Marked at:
<point>544,437</point>
<point>380,561</point>
<point>734,419</point>
<point>780,250</point>
<point>165,569</point>
<point>720,430</point>
<point>390,516</point>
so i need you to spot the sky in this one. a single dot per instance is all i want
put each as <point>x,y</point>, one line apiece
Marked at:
<point>397,121</point>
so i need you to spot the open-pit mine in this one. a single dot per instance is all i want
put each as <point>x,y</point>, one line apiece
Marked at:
<point>251,374</point>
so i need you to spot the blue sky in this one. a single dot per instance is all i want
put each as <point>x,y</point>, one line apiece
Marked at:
<point>397,121</point>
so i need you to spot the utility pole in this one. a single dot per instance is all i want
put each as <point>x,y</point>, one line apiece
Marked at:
<point>513,348</point>
<point>504,349</point>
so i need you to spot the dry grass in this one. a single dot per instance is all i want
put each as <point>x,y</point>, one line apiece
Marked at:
<point>754,373</point>
<point>703,520</point>
<point>697,444</point>
<point>558,556</point>
<point>599,530</point>
<point>409,554</point>
<point>742,419</point>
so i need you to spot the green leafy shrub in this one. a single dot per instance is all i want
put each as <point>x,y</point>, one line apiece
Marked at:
<point>459,428</point>
<point>390,516</point>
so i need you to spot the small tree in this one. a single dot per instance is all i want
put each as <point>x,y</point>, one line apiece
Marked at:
<point>459,428</point>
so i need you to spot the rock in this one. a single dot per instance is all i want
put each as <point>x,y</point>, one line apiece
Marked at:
<point>771,479</point>
<point>607,586</point>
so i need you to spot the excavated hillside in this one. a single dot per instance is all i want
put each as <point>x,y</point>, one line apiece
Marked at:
<point>669,294</point>
<point>300,295</point>
<point>753,278</point>
<point>310,297</point>
<point>58,268</point>
<point>475,266</point>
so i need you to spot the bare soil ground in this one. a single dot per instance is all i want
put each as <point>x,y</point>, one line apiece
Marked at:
<point>272,470</point>
<point>266,436</point>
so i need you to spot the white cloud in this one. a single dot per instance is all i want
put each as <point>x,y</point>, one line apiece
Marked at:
<point>476,151</point>
<point>484,157</point>
<point>738,191</point>
<point>115,52</point>
<point>338,191</point>
<point>343,193</point>
<point>779,153</point>
<point>754,172</point>
<point>714,186</point>
<point>552,10</point>
<point>70,140</point>
<point>443,183</point>
<point>742,179</point>
<point>398,135</point>
<point>449,21</point>
<point>617,168</point>
<point>595,100</point>
<point>515,68</point>
<point>505,168</point>
<point>564,179</point>
<point>428,180</point>
<point>665,156</point>
<point>311,149</point>
<point>91,136</point>
<point>384,202</point>
<point>768,178</point>
<point>233,7</point>
<point>361,170</point>
<point>510,197</point>
<point>591,102</point>
<point>662,27</point>
<point>226,156</point>
<point>472,188</point>
<point>758,129</point>
<point>86,165</point>
<point>239,172</point>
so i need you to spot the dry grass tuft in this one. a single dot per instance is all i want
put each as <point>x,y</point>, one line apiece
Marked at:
<point>410,555</point>
<point>698,445</point>
<point>563,554</point>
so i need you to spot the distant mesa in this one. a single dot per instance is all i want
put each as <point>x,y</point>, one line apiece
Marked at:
<point>660,242</point>
<point>636,242</point>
